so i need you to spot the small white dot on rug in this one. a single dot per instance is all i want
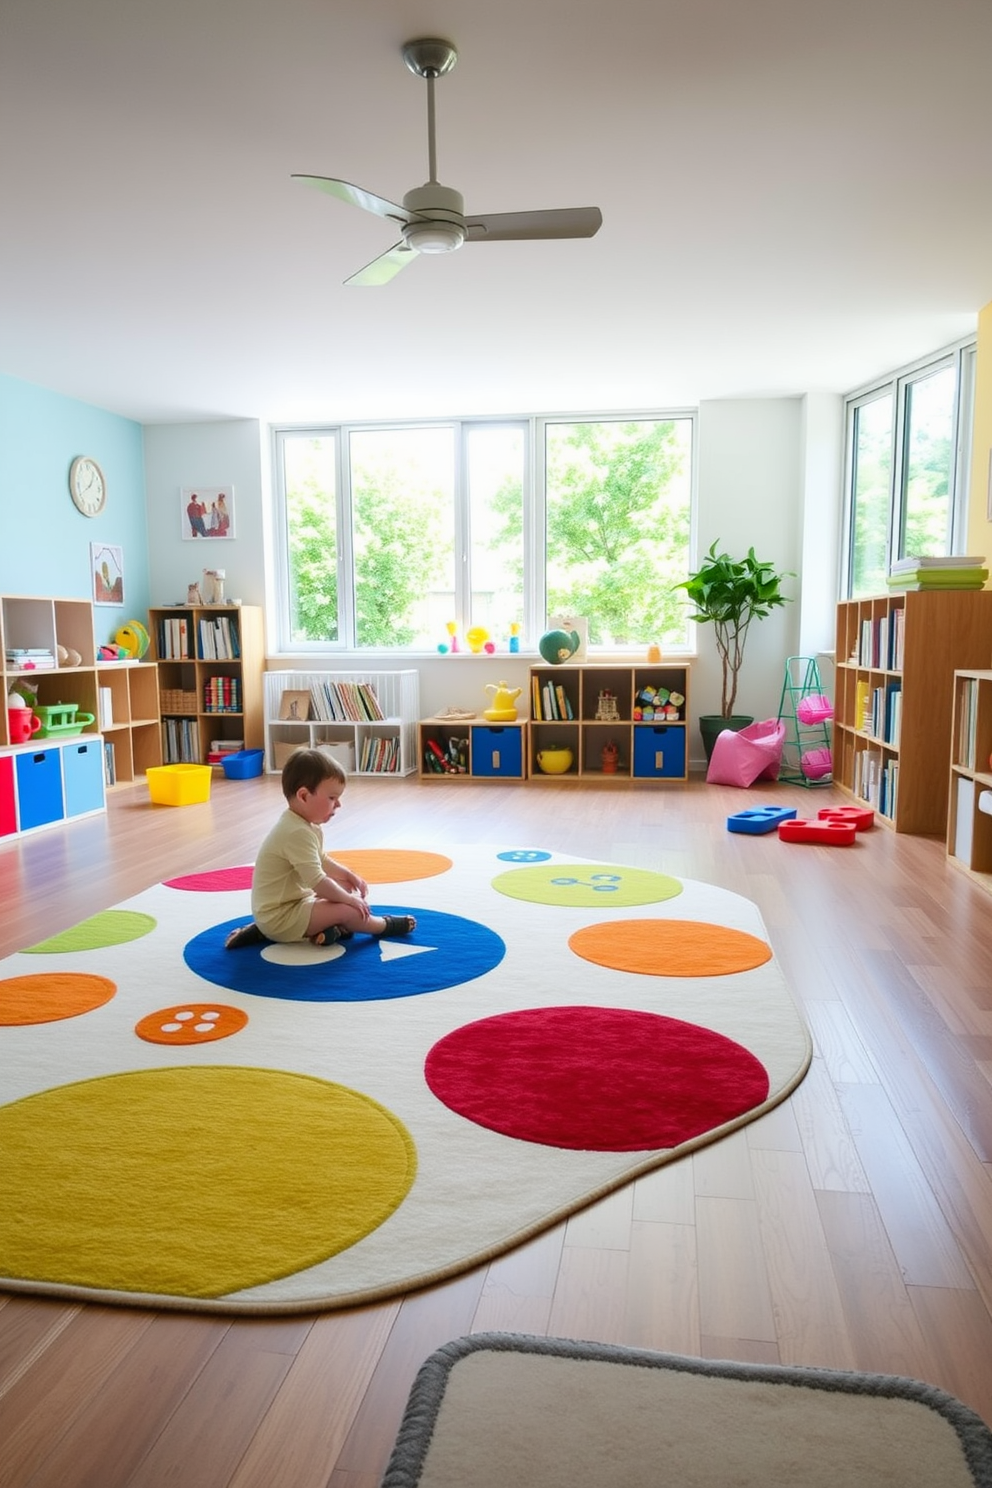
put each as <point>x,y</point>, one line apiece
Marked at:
<point>301,953</point>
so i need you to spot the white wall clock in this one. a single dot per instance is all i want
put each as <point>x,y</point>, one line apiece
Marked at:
<point>87,486</point>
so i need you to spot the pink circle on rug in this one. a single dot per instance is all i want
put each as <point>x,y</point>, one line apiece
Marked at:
<point>216,881</point>
<point>594,1079</point>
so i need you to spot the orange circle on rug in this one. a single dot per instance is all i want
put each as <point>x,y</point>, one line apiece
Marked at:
<point>194,1181</point>
<point>191,1023</point>
<point>381,865</point>
<point>48,997</point>
<point>677,948</point>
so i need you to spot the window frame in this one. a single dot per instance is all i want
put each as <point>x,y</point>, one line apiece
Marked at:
<point>533,427</point>
<point>962,355</point>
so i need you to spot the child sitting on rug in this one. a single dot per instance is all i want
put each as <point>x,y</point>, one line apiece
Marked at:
<point>297,891</point>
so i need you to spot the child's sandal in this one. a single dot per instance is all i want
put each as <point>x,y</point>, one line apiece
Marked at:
<point>244,935</point>
<point>397,925</point>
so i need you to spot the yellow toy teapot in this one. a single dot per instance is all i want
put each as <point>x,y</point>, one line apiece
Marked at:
<point>503,706</point>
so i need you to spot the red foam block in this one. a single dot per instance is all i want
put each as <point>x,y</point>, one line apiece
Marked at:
<point>862,816</point>
<point>826,833</point>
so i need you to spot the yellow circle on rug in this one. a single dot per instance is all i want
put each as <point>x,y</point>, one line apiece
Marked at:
<point>677,948</point>
<point>380,865</point>
<point>587,885</point>
<point>194,1182</point>
<point>191,1023</point>
<point>112,927</point>
<point>48,997</point>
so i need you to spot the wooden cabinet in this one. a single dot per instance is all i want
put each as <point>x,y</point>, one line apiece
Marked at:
<point>969,800</point>
<point>368,720</point>
<point>210,660</point>
<point>618,722</point>
<point>895,662</point>
<point>474,749</point>
<point>128,718</point>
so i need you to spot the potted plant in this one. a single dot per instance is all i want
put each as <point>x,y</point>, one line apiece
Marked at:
<point>729,593</point>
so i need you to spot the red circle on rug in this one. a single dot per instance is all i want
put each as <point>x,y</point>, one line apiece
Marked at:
<point>677,948</point>
<point>594,1079</point>
<point>215,881</point>
<point>50,996</point>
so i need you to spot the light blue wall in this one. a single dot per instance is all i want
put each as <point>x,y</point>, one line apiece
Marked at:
<point>44,541</point>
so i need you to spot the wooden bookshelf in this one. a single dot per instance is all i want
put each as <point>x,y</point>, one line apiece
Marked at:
<point>210,662</point>
<point>895,661</point>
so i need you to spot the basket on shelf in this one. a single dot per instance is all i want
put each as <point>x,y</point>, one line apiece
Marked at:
<point>814,708</point>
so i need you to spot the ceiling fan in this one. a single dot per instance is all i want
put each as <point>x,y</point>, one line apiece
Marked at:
<point>432,218</point>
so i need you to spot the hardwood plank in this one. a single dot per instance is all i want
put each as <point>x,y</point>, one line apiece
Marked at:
<point>723,1170</point>
<point>302,1432</point>
<point>810,1326</point>
<point>604,1224</point>
<point>959,1338</point>
<point>662,1302</point>
<point>828,1145</point>
<point>881,1323</point>
<point>734,1297</point>
<point>667,1194</point>
<point>590,1297</point>
<point>519,1287</point>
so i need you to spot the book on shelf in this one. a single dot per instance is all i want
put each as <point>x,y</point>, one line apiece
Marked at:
<point>967,721</point>
<point>105,698</point>
<point>964,818</point>
<point>939,578</point>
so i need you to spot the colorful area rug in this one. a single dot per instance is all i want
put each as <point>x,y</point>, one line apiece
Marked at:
<point>291,1128</point>
<point>497,1410</point>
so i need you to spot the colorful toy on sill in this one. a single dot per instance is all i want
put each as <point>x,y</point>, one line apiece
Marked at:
<point>557,646</point>
<point>514,641</point>
<point>134,638</point>
<point>451,644</point>
<point>503,708</point>
<point>112,652</point>
<point>478,641</point>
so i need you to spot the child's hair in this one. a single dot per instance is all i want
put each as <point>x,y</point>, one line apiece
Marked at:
<point>307,768</point>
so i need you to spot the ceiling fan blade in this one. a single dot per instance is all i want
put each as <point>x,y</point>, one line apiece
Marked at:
<point>563,222</point>
<point>344,191</point>
<point>385,267</point>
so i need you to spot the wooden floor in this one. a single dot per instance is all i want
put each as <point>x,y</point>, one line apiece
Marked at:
<point>851,1227</point>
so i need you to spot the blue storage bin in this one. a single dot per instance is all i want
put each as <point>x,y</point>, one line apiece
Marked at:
<point>244,765</point>
<point>497,752</point>
<point>659,751</point>
<point>39,788</point>
<point>82,776</point>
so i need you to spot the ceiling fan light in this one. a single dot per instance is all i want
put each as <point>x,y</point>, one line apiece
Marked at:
<point>434,237</point>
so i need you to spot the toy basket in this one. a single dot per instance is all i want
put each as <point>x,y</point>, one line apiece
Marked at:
<point>816,763</point>
<point>815,708</point>
<point>178,785</point>
<point>244,764</point>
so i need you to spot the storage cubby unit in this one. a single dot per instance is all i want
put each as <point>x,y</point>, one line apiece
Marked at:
<point>338,709</point>
<point>894,694</point>
<point>969,813</point>
<point>50,647</point>
<point>473,749</point>
<point>620,722</point>
<point>210,660</point>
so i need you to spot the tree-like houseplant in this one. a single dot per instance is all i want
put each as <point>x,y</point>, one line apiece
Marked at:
<point>730,593</point>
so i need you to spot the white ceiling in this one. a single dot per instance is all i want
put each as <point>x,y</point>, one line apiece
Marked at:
<point>795,196</point>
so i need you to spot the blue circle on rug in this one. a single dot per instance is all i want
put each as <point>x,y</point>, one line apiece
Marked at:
<point>444,951</point>
<point>524,855</point>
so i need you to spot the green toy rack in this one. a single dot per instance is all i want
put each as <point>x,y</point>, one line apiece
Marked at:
<point>806,714</point>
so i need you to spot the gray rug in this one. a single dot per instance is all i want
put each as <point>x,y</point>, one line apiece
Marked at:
<point>500,1410</point>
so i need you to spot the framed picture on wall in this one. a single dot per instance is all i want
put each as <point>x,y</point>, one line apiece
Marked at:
<point>207,511</point>
<point>107,568</point>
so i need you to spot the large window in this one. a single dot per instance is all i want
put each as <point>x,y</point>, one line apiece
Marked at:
<point>396,536</point>
<point>907,467</point>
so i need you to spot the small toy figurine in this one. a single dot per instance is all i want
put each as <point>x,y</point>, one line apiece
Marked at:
<point>514,641</point>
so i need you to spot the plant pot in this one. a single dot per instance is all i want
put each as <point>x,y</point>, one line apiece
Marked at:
<point>712,725</point>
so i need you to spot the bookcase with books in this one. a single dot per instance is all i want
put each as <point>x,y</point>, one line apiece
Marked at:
<point>895,660</point>
<point>969,809</point>
<point>641,711</point>
<point>472,749</point>
<point>210,661</point>
<point>368,720</point>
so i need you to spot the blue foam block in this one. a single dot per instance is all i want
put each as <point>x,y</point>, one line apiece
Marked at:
<point>759,819</point>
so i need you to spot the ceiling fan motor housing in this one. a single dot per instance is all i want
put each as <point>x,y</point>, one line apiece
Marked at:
<point>439,226</point>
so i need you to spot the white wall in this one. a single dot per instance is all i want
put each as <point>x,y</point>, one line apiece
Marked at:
<point>227,454</point>
<point>768,477</point>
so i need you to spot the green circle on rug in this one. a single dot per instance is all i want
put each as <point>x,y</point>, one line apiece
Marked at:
<point>194,1182</point>
<point>112,927</point>
<point>587,885</point>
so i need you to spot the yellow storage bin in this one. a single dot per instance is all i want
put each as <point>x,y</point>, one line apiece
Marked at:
<point>179,785</point>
